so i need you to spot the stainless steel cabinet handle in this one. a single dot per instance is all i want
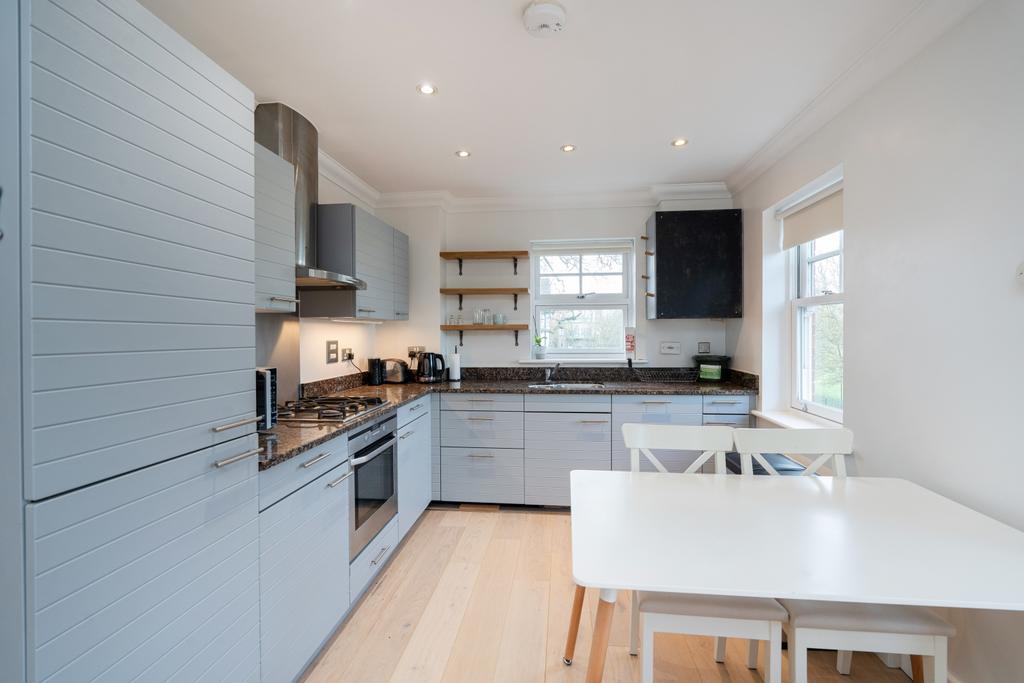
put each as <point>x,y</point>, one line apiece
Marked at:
<point>236,458</point>
<point>720,424</point>
<point>593,422</point>
<point>306,465</point>
<point>380,555</point>
<point>416,407</point>
<point>406,435</point>
<point>367,310</point>
<point>480,400</point>
<point>480,455</point>
<point>367,458</point>
<point>481,419</point>
<point>340,479</point>
<point>727,403</point>
<point>657,403</point>
<point>240,423</point>
<point>285,299</point>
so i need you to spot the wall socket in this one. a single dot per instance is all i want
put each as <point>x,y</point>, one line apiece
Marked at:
<point>413,350</point>
<point>346,354</point>
<point>703,347</point>
<point>671,348</point>
<point>332,350</point>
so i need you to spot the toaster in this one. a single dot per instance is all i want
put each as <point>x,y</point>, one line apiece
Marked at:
<point>396,371</point>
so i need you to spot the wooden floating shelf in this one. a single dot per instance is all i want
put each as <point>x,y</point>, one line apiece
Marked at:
<point>487,291</point>
<point>514,328</point>
<point>461,256</point>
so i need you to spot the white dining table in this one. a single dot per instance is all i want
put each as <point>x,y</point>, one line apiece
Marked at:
<point>854,539</point>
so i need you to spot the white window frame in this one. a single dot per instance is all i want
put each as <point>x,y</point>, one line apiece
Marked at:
<point>799,270</point>
<point>623,301</point>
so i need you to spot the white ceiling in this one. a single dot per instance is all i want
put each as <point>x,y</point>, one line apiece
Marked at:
<point>624,78</point>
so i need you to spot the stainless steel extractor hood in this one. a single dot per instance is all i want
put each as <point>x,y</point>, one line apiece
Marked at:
<point>291,136</point>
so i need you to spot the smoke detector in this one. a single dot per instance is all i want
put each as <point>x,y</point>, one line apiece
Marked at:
<point>543,19</point>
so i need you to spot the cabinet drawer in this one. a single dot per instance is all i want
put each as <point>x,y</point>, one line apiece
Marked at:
<point>735,405</point>
<point>675,461</point>
<point>482,475</point>
<point>568,403</point>
<point>280,480</point>
<point>657,405</point>
<point>727,420</point>
<point>556,444</point>
<point>413,410</point>
<point>133,576</point>
<point>374,556</point>
<point>481,401</point>
<point>487,429</point>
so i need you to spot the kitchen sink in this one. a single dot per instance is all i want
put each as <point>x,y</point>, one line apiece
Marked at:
<point>569,386</point>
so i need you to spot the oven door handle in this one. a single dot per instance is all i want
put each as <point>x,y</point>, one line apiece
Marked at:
<point>377,451</point>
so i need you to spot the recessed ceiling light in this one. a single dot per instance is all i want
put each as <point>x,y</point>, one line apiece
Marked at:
<point>462,154</point>
<point>679,142</point>
<point>568,148</point>
<point>426,89</point>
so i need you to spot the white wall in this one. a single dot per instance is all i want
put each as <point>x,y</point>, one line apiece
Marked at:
<point>933,161</point>
<point>515,230</point>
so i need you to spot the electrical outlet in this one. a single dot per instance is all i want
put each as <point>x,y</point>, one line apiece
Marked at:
<point>413,350</point>
<point>346,354</point>
<point>703,347</point>
<point>671,348</point>
<point>332,350</point>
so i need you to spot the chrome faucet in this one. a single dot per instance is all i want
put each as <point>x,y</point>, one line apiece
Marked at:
<point>549,373</point>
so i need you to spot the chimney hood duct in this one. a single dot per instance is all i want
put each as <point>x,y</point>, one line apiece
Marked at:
<point>292,137</point>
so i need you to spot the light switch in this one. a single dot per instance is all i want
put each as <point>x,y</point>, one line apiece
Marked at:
<point>671,348</point>
<point>332,350</point>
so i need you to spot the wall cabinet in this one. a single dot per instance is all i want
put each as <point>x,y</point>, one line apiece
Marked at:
<point>303,573</point>
<point>275,232</point>
<point>414,471</point>
<point>151,575</point>
<point>401,275</point>
<point>139,269</point>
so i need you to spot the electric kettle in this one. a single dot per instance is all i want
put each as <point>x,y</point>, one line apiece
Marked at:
<point>430,367</point>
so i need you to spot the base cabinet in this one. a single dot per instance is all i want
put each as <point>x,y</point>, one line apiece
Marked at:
<point>558,443</point>
<point>304,574</point>
<point>414,465</point>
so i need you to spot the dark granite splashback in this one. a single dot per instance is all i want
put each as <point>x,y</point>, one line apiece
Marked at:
<point>578,374</point>
<point>334,384</point>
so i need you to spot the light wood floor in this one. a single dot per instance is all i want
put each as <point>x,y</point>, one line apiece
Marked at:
<point>484,596</point>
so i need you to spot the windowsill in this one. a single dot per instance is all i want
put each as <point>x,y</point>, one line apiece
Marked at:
<point>794,419</point>
<point>611,362</point>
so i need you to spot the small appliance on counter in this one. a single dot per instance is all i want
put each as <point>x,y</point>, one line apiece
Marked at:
<point>266,398</point>
<point>430,367</point>
<point>396,371</point>
<point>377,371</point>
<point>711,368</point>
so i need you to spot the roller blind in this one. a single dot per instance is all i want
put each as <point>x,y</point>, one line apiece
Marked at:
<point>810,221</point>
<point>594,246</point>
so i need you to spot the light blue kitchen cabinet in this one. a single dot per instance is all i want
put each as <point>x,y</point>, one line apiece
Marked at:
<point>152,575</point>
<point>375,265</point>
<point>414,471</point>
<point>482,475</point>
<point>303,573</point>
<point>400,268</point>
<point>275,232</point>
<point>672,410</point>
<point>558,443</point>
<point>139,271</point>
<point>486,429</point>
<point>435,448</point>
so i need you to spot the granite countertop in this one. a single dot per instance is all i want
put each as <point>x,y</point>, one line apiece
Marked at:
<point>295,439</point>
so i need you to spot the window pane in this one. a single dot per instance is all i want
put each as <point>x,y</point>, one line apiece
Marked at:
<point>582,329</point>
<point>602,263</point>
<point>821,355</point>
<point>826,276</point>
<point>602,284</point>
<point>559,284</point>
<point>560,264</point>
<point>828,243</point>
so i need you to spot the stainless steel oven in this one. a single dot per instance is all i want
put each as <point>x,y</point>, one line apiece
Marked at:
<point>373,456</point>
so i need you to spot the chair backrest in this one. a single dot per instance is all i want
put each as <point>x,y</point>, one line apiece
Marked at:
<point>827,444</point>
<point>712,442</point>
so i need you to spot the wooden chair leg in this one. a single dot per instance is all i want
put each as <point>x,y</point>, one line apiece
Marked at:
<point>574,624</point>
<point>917,666</point>
<point>844,660</point>
<point>602,630</point>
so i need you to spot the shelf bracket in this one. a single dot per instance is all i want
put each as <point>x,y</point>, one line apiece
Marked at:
<point>515,302</point>
<point>460,299</point>
<point>460,267</point>
<point>460,337</point>
<point>516,333</point>
<point>515,265</point>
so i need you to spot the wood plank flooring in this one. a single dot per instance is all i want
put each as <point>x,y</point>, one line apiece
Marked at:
<point>480,595</point>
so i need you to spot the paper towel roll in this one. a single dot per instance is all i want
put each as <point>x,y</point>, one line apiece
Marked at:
<point>454,367</point>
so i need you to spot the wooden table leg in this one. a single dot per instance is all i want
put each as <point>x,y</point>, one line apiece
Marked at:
<point>574,624</point>
<point>917,666</point>
<point>602,630</point>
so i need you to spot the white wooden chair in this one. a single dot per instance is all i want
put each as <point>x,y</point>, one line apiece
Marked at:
<point>836,625</point>
<point>720,616</point>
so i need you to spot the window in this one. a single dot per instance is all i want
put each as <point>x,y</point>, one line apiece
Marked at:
<point>582,297</point>
<point>817,313</point>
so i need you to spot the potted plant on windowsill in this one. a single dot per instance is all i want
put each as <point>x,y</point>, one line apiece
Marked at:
<point>538,342</point>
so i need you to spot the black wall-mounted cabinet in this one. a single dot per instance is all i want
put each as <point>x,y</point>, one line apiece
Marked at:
<point>694,264</point>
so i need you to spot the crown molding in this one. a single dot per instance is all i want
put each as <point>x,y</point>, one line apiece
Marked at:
<point>428,198</point>
<point>333,170</point>
<point>920,26</point>
<point>682,191</point>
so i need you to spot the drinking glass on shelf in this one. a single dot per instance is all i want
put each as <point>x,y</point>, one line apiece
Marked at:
<point>478,317</point>
<point>488,317</point>
<point>499,318</point>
